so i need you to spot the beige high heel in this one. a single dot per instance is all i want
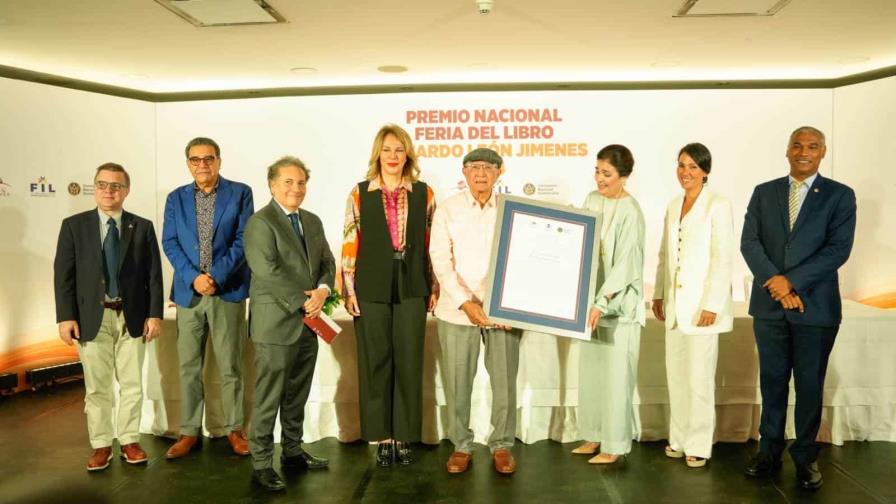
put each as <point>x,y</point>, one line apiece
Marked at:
<point>605,458</point>
<point>589,448</point>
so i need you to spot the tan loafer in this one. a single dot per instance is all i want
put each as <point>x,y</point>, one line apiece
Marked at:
<point>182,447</point>
<point>132,453</point>
<point>99,459</point>
<point>239,443</point>
<point>504,462</point>
<point>459,462</point>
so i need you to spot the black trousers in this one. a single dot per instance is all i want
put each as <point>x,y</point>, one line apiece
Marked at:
<point>802,350</point>
<point>390,365</point>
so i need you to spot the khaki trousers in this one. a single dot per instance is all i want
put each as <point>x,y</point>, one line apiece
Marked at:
<point>113,356</point>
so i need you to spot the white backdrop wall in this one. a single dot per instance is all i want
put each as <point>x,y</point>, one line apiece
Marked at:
<point>746,130</point>
<point>60,135</point>
<point>865,121</point>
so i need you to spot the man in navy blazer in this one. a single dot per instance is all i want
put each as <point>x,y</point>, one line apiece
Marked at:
<point>798,231</point>
<point>203,239</point>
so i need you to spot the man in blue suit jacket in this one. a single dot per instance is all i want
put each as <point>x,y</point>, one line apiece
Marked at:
<point>798,231</point>
<point>203,238</point>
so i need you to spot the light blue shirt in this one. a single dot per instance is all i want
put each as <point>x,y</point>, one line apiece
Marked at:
<point>104,226</point>
<point>804,189</point>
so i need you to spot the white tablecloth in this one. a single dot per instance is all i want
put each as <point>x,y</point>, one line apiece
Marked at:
<point>860,391</point>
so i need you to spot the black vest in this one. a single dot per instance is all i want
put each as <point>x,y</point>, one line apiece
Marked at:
<point>373,266</point>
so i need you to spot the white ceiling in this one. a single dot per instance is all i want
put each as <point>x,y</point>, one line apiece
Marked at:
<point>138,44</point>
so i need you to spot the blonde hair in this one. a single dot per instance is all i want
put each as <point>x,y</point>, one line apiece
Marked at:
<point>410,171</point>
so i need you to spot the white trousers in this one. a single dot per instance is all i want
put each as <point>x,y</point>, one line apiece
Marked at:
<point>691,375</point>
<point>113,356</point>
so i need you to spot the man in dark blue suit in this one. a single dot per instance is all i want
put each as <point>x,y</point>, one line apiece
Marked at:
<point>203,239</point>
<point>798,231</point>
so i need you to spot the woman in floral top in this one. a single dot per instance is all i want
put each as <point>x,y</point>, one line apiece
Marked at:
<point>388,287</point>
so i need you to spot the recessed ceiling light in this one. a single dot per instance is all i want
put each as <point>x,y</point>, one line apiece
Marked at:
<point>303,70</point>
<point>204,13</point>
<point>392,68</point>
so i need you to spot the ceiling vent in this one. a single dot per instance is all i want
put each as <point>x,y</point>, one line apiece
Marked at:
<point>205,13</point>
<point>730,8</point>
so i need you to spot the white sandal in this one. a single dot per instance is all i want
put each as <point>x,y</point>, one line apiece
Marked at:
<point>673,453</point>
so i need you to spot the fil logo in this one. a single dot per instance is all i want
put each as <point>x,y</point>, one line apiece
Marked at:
<point>42,188</point>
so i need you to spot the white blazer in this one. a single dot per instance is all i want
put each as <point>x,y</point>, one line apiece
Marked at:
<point>694,270</point>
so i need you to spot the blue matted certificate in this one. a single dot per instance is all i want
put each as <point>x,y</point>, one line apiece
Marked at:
<point>543,267</point>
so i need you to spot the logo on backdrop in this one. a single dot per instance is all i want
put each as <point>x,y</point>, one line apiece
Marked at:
<point>42,188</point>
<point>5,189</point>
<point>75,189</point>
<point>528,189</point>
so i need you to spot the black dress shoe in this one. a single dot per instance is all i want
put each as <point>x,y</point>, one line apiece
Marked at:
<point>268,479</point>
<point>385,454</point>
<point>809,476</point>
<point>403,453</point>
<point>762,464</point>
<point>303,460</point>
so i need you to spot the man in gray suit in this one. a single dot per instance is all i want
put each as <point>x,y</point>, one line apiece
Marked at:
<point>292,274</point>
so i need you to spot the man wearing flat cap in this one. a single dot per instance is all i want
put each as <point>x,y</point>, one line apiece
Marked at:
<point>460,246</point>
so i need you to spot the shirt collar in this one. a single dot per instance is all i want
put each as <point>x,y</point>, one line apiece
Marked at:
<point>213,191</point>
<point>376,184</point>
<point>808,180</point>
<point>492,200</point>
<point>104,217</point>
<point>285,210</point>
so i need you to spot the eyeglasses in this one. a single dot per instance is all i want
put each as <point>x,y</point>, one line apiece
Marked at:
<point>102,185</point>
<point>483,167</point>
<point>196,161</point>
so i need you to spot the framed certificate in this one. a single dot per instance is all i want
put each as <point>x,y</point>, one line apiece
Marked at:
<point>543,267</point>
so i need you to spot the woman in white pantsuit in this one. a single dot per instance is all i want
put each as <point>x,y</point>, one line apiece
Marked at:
<point>693,296</point>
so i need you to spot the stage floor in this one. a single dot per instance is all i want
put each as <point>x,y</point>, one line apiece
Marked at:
<point>44,447</point>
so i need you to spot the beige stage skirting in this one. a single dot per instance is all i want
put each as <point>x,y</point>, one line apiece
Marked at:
<point>860,392</point>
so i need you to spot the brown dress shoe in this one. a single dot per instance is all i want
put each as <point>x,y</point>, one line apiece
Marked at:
<point>100,458</point>
<point>133,454</point>
<point>504,462</point>
<point>238,441</point>
<point>182,447</point>
<point>459,462</point>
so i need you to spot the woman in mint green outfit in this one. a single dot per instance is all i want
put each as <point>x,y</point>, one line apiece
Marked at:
<point>608,363</point>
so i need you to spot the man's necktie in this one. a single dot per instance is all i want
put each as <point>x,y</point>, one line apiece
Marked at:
<point>294,219</point>
<point>110,258</point>
<point>794,201</point>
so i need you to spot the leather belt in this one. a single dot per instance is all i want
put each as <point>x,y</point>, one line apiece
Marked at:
<point>398,254</point>
<point>113,305</point>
